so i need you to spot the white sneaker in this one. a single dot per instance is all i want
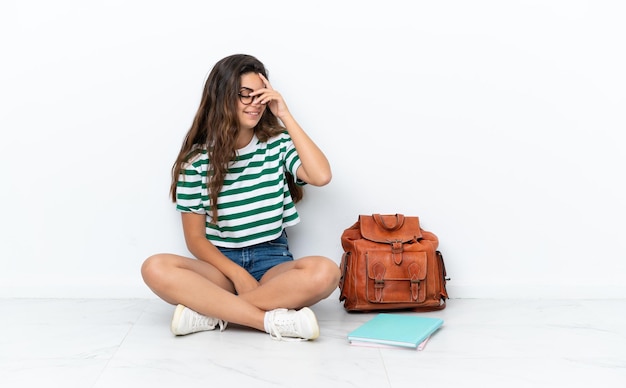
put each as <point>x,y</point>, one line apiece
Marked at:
<point>300,324</point>
<point>187,321</point>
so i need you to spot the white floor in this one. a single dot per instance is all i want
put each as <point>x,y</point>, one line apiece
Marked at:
<point>483,343</point>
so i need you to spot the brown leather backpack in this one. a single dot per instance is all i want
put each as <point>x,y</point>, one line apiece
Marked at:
<point>391,263</point>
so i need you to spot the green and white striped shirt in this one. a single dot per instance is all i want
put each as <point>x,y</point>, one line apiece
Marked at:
<point>255,204</point>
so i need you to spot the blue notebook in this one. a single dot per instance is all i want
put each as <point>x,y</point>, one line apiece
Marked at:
<point>395,330</point>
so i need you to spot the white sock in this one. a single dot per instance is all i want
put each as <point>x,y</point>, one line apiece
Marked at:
<point>266,322</point>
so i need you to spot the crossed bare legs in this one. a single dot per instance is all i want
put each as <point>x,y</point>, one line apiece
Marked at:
<point>204,289</point>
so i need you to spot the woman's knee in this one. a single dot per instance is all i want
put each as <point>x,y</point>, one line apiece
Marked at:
<point>325,273</point>
<point>155,267</point>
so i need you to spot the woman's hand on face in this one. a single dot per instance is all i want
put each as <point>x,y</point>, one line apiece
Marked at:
<point>270,97</point>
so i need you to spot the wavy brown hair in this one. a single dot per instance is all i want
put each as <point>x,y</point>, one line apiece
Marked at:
<point>215,126</point>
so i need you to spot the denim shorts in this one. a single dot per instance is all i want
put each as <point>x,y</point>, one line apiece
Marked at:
<point>258,259</point>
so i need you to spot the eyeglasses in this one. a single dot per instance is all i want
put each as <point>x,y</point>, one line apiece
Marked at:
<point>245,97</point>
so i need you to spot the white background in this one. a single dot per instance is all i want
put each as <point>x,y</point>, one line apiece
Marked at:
<point>498,123</point>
